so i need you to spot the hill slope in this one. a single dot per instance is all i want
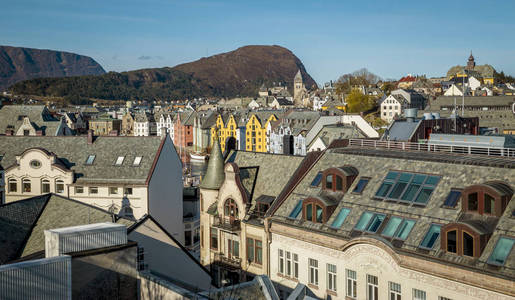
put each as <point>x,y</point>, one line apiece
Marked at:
<point>17,64</point>
<point>240,72</point>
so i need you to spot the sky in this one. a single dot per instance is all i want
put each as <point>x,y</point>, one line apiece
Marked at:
<point>332,38</point>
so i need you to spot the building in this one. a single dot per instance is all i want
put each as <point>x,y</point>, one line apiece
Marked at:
<point>31,120</point>
<point>76,122</point>
<point>105,125</point>
<point>299,89</point>
<point>165,121</point>
<point>370,223</point>
<point>330,133</point>
<point>483,72</point>
<point>202,123</point>
<point>257,130</point>
<point>391,107</point>
<point>127,175</point>
<point>225,129</point>
<point>234,198</point>
<point>406,82</point>
<point>183,129</point>
<point>127,124</point>
<point>143,123</point>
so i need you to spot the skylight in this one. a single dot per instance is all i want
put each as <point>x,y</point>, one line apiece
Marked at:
<point>340,218</point>
<point>119,160</point>
<point>137,161</point>
<point>407,187</point>
<point>370,222</point>
<point>90,159</point>
<point>296,211</point>
<point>360,186</point>
<point>452,198</point>
<point>501,251</point>
<point>398,228</point>
<point>431,236</point>
<point>317,179</point>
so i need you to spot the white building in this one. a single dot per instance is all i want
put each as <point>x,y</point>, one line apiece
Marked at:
<point>125,175</point>
<point>165,121</point>
<point>391,107</point>
<point>142,124</point>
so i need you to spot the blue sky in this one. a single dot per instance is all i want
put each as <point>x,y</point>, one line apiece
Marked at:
<point>390,38</point>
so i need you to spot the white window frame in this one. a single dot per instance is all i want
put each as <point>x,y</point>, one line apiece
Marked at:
<point>352,284</point>
<point>137,161</point>
<point>295,265</point>
<point>419,294</point>
<point>93,188</point>
<point>57,183</point>
<point>331,277</point>
<point>288,266</point>
<point>313,271</point>
<point>394,291</point>
<point>280,267</point>
<point>372,287</point>
<point>119,161</point>
<point>79,190</point>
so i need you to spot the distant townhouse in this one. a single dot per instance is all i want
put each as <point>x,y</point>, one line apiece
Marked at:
<point>31,120</point>
<point>183,129</point>
<point>257,130</point>
<point>143,123</point>
<point>128,124</point>
<point>399,100</point>
<point>332,132</point>
<point>202,123</point>
<point>369,223</point>
<point>105,125</point>
<point>127,175</point>
<point>76,122</point>
<point>165,121</point>
<point>406,82</point>
<point>226,128</point>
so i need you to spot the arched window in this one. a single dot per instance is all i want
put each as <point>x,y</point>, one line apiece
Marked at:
<point>231,209</point>
<point>490,198</point>
<point>339,179</point>
<point>451,241</point>
<point>26,187</point>
<point>59,186</point>
<point>315,211</point>
<point>489,204</point>
<point>329,182</point>
<point>45,186</point>
<point>468,244</point>
<point>13,185</point>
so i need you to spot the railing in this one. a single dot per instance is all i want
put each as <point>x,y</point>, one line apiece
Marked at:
<point>409,146</point>
<point>234,262</point>
<point>227,224</point>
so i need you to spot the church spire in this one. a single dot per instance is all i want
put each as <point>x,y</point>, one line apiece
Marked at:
<point>215,169</point>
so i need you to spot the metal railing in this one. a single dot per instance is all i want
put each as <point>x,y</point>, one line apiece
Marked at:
<point>234,262</point>
<point>409,146</point>
<point>227,224</point>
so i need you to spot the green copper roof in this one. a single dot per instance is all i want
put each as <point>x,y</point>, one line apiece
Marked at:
<point>215,169</point>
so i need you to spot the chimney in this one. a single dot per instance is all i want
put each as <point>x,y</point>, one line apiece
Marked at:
<point>90,136</point>
<point>39,132</point>
<point>113,133</point>
<point>9,132</point>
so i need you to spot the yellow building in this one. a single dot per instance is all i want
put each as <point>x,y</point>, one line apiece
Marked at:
<point>225,127</point>
<point>334,104</point>
<point>256,131</point>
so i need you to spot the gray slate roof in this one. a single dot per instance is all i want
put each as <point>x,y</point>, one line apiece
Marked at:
<point>11,115</point>
<point>72,151</point>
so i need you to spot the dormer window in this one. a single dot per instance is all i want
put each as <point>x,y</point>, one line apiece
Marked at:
<point>339,179</point>
<point>463,239</point>
<point>316,210</point>
<point>490,198</point>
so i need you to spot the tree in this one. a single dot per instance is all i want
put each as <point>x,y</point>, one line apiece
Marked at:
<point>346,82</point>
<point>358,102</point>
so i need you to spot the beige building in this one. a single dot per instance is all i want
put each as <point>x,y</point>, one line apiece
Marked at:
<point>234,199</point>
<point>105,126</point>
<point>127,124</point>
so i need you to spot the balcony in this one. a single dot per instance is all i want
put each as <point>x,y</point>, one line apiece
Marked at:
<point>227,224</point>
<point>227,262</point>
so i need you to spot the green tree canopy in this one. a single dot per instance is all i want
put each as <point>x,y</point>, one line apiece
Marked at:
<point>358,102</point>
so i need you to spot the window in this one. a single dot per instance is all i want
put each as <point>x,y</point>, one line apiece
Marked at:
<point>93,190</point>
<point>35,164</point>
<point>339,183</point>
<point>254,251</point>
<point>196,236</point>
<point>234,248</point>
<point>395,291</point>
<point>407,187</point>
<point>501,251</point>
<point>419,295</point>
<point>314,213</point>
<point>230,208</point>
<point>372,288</point>
<point>451,241</point>
<point>329,182</point>
<point>59,186</point>
<point>340,218</point>
<point>79,190</point>
<point>316,181</point>
<point>370,222</point>
<point>13,185</point>
<point>128,191</point>
<point>398,228</point>
<point>431,236</point>
<point>473,201</point>
<point>452,198</point>
<point>331,277</point>
<point>313,271</point>
<point>113,190</point>
<point>468,244</point>
<point>25,184</point>
<point>90,159</point>
<point>281,261</point>
<point>489,204</point>
<point>288,263</point>
<point>119,161</point>
<point>187,238</point>
<point>295,266</point>
<point>45,186</point>
<point>296,210</point>
<point>214,239</point>
<point>443,298</point>
<point>352,284</point>
<point>360,186</point>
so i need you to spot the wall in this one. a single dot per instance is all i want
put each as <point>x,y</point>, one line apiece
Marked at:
<point>366,258</point>
<point>165,191</point>
<point>165,258</point>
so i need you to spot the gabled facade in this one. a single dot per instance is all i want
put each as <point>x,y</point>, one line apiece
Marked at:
<point>226,127</point>
<point>31,120</point>
<point>165,122</point>
<point>127,124</point>
<point>257,131</point>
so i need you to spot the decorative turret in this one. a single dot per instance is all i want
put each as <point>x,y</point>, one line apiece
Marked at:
<point>471,64</point>
<point>215,169</point>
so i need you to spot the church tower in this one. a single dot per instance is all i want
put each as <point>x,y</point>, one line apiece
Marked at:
<point>471,63</point>
<point>298,88</point>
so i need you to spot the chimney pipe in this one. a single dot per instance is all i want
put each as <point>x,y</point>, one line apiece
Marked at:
<point>90,136</point>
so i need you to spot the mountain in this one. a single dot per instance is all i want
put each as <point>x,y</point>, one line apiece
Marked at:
<point>18,64</point>
<point>237,73</point>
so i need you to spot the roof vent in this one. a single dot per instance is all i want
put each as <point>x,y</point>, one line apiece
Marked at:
<point>84,237</point>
